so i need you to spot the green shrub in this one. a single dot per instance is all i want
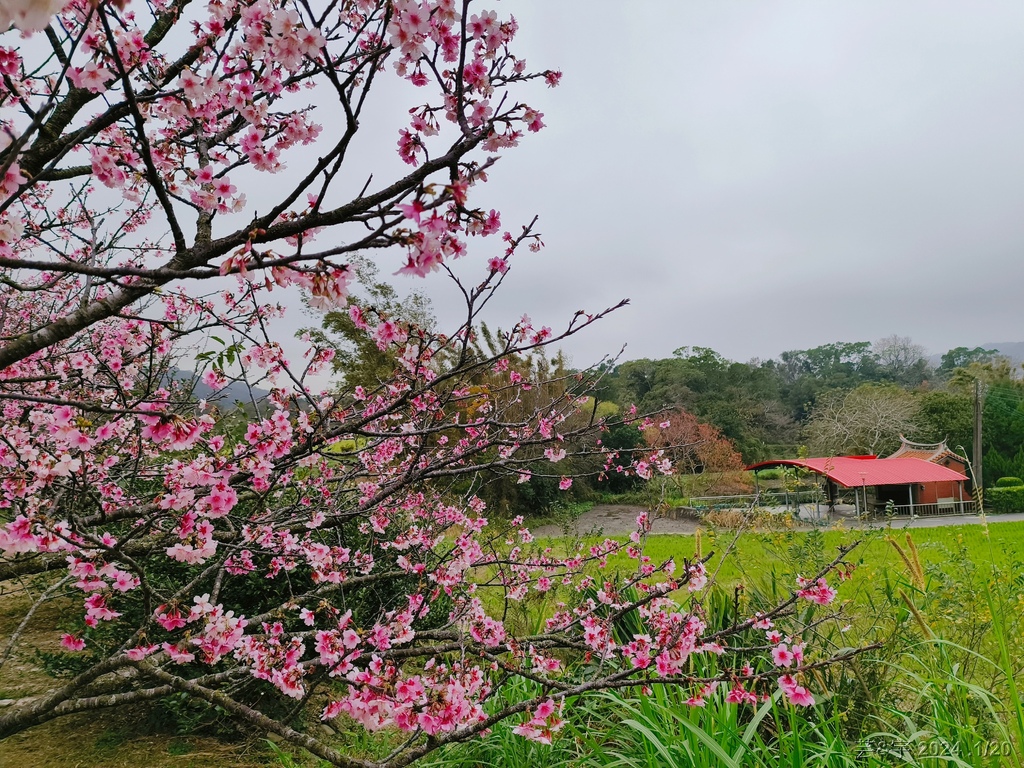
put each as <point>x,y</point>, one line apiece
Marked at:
<point>1009,482</point>
<point>1005,499</point>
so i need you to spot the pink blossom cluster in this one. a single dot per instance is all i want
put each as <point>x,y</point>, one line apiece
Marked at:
<point>817,591</point>
<point>28,15</point>
<point>795,692</point>
<point>544,721</point>
<point>440,700</point>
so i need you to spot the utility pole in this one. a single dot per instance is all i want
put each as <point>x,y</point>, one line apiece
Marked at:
<point>977,439</point>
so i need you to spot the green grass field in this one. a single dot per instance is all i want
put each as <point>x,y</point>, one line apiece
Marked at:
<point>756,555</point>
<point>752,557</point>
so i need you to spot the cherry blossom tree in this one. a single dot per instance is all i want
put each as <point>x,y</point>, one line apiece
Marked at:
<point>694,446</point>
<point>705,461</point>
<point>868,419</point>
<point>324,546</point>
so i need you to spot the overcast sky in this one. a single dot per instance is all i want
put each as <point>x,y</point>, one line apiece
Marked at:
<point>758,176</point>
<point>762,176</point>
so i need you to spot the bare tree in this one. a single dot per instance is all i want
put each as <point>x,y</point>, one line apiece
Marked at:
<point>868,419</point>
<point>900,359</point>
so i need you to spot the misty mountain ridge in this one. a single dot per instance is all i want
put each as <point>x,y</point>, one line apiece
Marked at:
<point>1014,350</point>
<point>233,392</point>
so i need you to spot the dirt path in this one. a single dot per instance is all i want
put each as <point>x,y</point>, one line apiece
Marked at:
<point>615,520</point>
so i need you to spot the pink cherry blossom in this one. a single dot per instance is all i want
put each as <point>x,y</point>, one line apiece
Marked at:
<point>28,15</point>
<point>72,643</point>
<point>818,592</point>
<point>91,77</point>
<point>794,692</point>
<point>554,455</point>
<point>782,656</point>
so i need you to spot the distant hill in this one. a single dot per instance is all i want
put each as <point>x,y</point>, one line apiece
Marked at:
<point>234,392</point>
<point>1011,349</point>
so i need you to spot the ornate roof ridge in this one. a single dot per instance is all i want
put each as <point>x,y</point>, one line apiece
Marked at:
<point>939,446</point>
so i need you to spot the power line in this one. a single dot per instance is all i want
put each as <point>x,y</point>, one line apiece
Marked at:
<point>1005,410</point>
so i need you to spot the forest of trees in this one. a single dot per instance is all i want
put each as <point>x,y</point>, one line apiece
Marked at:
<point>840,398</point>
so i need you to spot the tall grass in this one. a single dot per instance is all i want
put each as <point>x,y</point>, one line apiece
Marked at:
<point>935,719</point>
<point>943,718</point>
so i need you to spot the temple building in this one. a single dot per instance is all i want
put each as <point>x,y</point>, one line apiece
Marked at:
<point>936,453</point>
<point>918,479</point>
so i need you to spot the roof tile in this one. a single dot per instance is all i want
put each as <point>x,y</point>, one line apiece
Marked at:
<point>852,472</point>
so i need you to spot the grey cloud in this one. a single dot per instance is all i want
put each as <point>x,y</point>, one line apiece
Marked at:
<point>765,176</point>
<point>762,176</point>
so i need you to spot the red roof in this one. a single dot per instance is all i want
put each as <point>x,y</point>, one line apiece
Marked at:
<point>853,471</point>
